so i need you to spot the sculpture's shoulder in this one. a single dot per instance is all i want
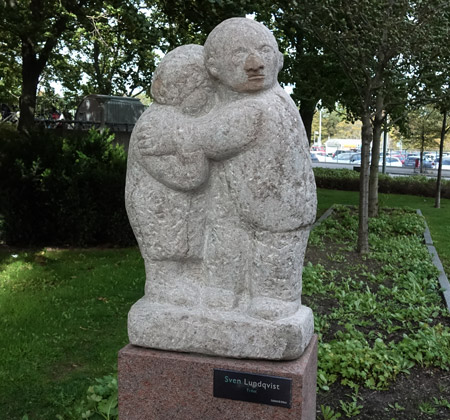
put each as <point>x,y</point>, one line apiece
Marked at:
<point>283,117</point>
<point>155,117</point>
<point>275,104</point>
<point>278,101</point>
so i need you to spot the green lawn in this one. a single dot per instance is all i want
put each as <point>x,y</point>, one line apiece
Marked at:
<point>63,313</point>
<point>63,320</point>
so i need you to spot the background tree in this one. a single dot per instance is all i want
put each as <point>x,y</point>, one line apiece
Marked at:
<point>336,124</point>
<point>191,22</point>
<point>444,130</point>
<point>36,26</point>
<point>373,41</point>
<point>113,52</point>
<point>313,72</point>
<point>9,70</point>
<point>422,129</point>
<point>434,73</point>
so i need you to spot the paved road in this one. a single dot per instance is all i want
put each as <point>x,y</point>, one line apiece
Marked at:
<point>431,173</point>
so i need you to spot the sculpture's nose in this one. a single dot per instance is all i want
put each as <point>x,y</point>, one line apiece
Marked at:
<point>253,63</point>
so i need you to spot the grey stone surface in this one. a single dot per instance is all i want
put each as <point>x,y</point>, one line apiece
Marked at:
<point>221,196</point>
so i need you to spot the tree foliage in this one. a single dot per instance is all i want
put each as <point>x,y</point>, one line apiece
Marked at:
<point>113,51</point>
<point>312,70</point>
<point>36,26</point>
<point>423,127</point>
<point>9,70</point>
<point>376,44</point>
<point>375,58</point>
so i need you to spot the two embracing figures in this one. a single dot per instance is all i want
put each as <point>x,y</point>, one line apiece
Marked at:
<point>221,195</point>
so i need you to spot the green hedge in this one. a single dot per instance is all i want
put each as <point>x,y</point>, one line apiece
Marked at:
<point>69,190</point>
<point>62,190</point>
<point>348,180</point>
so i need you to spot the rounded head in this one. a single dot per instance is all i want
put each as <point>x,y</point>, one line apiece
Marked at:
<point>181,79</point>
<point>243,55</point>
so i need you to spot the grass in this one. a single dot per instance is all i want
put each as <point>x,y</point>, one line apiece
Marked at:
<point>63,320</point>
<point>63,314</point>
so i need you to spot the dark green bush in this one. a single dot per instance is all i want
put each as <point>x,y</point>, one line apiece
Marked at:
<point>63,190</point>
<point>346,179</point>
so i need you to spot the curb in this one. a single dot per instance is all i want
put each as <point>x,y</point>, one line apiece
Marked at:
<point>443,280</point>
<point>323,217</point>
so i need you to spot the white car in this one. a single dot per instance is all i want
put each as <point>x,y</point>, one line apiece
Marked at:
<point>322,156</point>
<point>391,161</point>
<point>445,163</point>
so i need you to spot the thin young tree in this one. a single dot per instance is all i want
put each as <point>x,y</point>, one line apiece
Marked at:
<point>373,41</point>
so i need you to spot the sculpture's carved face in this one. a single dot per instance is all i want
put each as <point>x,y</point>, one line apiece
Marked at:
<point>247,59</point>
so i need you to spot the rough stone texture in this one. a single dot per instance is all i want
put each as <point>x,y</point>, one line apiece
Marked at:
<point>221,196</point>
<point>160,385</point>
<point>219,332</point>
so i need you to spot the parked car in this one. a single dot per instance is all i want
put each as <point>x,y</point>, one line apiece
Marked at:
<point>429,164</point>
<point>392,161</point>
<point>414,162</point>
<point>400,156</point>
<point>429,156</point>
<point>445,163</point>
<point>346,157</point>
<point>338,152</point>
<point>410,161</point>
<point>322,156</point>
<point>314,157</point>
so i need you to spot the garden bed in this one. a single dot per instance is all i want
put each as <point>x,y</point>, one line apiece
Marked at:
<point>383,326</point>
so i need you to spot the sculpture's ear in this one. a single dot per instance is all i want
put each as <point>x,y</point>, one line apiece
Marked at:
<point>212,68</point>
<point>280,61</point>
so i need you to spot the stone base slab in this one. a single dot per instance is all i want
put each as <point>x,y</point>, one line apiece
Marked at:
<point>160,385</point>
<point>219,333</point>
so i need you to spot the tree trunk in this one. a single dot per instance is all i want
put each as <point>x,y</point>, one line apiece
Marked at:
<point>437,202</point>
<point>34,62</point>
<point>30,77</point>
<point>363,228</point>
<point>422,148</point>
<point>373,180</point>
<point>307,112</point>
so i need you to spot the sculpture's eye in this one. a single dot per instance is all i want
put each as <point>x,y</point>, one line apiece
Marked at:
<point>267,51</point>
<point>239,56</point>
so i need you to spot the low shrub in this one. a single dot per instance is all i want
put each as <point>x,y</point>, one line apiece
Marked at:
<point>101,401</point>
<point>62,190</point>
<point>348,180</point>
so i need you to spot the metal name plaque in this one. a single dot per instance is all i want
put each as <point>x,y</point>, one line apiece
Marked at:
<point>262,389</point>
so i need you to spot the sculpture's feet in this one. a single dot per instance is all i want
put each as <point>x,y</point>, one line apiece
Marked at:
<point>272,309</point>
<point>179,293</point>
<point>218,298</point>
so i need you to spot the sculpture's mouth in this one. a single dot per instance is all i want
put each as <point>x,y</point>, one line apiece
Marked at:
<point>256,77</point>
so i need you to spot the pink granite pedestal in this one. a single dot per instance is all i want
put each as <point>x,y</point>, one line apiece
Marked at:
<point>160,385</point>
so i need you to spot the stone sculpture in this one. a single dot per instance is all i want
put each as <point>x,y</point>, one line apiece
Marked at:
<point>221,196</point>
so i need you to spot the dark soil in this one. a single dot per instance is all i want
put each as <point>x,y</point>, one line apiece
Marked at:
<point>417,396</point>
<point>400,402</point>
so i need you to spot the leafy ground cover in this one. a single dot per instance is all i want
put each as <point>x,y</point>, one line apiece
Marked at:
<point>63,319</point>
<point>438,220</point>
<point>384,330</point>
